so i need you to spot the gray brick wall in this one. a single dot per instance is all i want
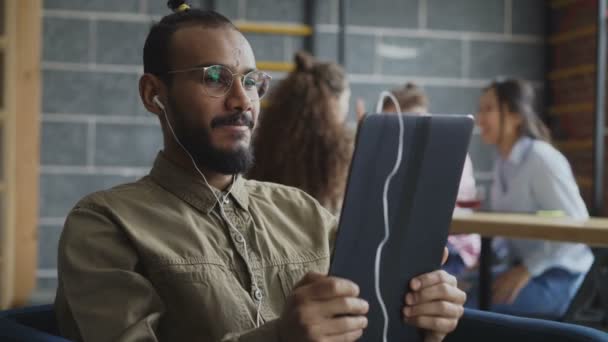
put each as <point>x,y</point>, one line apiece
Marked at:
<point>95,132</point>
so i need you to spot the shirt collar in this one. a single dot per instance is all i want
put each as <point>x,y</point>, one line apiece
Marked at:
<point>192,189</point>
<point>520,150</point>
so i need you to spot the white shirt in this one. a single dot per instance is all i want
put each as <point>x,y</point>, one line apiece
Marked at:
<point>536,177</point>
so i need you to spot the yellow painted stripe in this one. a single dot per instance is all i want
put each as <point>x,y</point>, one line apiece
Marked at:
<point>268,28</point>
<point>578,70</point>
<point>556,4</point>
<point>571,108</point>
<point>275,66</point>
<point>574,34</point>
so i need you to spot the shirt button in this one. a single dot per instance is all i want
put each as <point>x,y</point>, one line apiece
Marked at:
<point>257,294</point>
<point>226,200</point>
<point>239,238</point>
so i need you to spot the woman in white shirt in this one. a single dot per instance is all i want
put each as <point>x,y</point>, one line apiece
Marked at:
<point>530,175</point>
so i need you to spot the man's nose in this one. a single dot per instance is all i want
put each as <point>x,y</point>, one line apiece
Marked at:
<point>237,98</point>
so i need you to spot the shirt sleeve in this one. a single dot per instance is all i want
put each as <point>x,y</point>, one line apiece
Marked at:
<point>100,287</point>
<point>553,188</point>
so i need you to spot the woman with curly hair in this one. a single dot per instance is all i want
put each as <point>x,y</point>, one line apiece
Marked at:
<point>301,139</point>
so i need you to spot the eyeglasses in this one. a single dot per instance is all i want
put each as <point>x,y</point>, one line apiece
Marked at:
<point>217,81</point>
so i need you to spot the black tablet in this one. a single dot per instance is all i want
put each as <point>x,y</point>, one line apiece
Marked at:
<point>420,201</point>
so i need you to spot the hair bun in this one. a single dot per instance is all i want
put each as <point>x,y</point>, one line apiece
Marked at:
<point>304,61</point>
<point>177,5</point>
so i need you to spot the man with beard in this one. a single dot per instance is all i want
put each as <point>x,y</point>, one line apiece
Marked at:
<point>195,252</point>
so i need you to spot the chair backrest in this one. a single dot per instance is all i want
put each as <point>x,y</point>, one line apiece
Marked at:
<point>589,305</point>
<point>32,324</point>
<point>478,325</point>
<point>37,324</point>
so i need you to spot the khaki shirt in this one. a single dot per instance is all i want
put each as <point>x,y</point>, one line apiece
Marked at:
<point>155,260</point>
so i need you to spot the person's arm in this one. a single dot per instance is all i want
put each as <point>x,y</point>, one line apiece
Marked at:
<point>553,188</point>
<point>107,297</point>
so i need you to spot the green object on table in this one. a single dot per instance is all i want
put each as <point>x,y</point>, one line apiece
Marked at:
<point>551,213</point>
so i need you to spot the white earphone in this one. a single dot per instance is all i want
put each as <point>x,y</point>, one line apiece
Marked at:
<point>158,103</point>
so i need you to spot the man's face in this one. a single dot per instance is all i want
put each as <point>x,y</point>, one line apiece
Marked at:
<point>216,130</point>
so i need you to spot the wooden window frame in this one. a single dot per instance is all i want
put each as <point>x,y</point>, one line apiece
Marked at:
<point>20,118</point>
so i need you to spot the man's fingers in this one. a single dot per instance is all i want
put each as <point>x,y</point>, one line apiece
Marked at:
<point>348,337</point>
<point>342,325</point>
<point>433,337</point>
<point>436,308</point>
<point>439,292</point>
<point>327,288</point>
<point>432,278</point>
<point>437,325</point>
<point>343,306</point>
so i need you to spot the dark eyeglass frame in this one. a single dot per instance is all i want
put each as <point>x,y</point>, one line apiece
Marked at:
<point>243,77</point>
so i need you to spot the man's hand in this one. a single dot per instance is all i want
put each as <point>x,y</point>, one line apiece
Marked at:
<point>507,286</point>
<point>323,308</point>
<point>435,304</point>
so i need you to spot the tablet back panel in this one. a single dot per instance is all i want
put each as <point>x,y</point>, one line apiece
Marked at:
<point>421,200</point>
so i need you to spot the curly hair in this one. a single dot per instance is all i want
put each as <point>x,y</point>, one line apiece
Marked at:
<point>300,140</point>
<point>409,96</point>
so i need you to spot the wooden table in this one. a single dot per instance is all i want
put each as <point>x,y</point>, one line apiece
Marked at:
<point>593,231</point>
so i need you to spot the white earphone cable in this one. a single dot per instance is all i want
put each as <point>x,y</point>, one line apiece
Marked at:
<point>384,95</point>
<point>223,215</point>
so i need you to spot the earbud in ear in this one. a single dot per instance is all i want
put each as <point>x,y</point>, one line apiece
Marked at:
<point>158,103</point>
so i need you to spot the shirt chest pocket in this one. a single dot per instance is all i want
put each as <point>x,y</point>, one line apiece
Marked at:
<point>291,274</point>
<point>207,295</point>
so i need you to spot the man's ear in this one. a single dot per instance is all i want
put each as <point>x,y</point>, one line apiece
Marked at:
<point>149,87</point>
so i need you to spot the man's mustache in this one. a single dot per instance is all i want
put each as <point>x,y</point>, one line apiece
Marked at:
<point>238,118</point>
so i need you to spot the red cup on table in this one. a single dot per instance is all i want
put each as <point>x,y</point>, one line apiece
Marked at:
<point>474,203</point>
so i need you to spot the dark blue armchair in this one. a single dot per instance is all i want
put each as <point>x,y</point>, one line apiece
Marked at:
<point>37,324</point>
<point>488,326</point>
